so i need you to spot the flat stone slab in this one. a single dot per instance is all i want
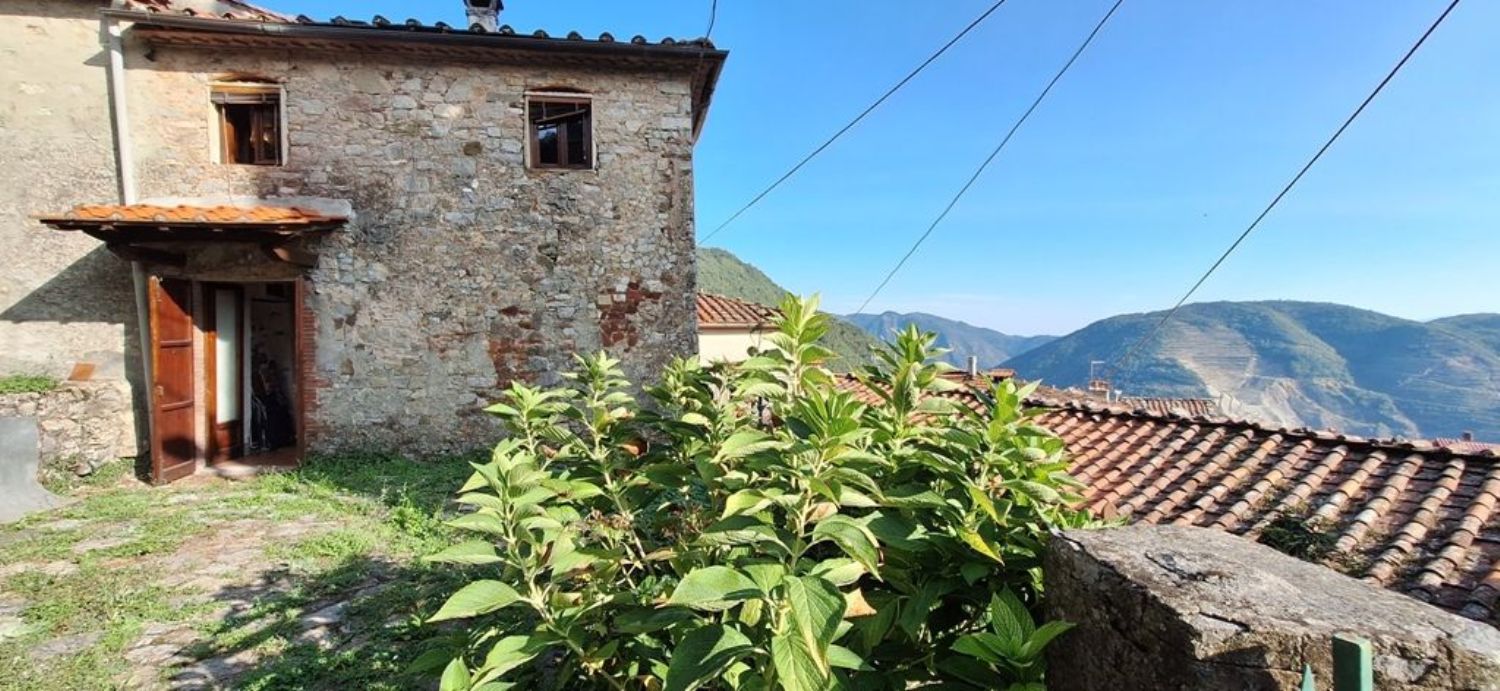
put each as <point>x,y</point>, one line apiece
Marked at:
<point>1172,607</point>
<point>20,456</point>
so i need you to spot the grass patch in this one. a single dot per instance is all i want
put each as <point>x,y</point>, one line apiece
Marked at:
<point>107,475</point>
<point>382,514</point>
<point>1295,534</point>
<point>27,383</point>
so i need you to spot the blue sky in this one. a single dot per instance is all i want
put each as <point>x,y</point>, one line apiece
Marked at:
<point>1169,135</point>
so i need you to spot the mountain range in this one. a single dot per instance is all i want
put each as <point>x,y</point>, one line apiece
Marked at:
<point>962,340</point>
<point>1299,364</point>
<point>1280,362</point>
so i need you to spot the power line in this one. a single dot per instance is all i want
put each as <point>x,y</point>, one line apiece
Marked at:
<point>1124,359</point>
<point>993,154</point>
<point>713,16</point>
<point>891,92</point>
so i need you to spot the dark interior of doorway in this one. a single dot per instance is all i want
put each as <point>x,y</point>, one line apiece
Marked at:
<point>253,367</point>
<point>273,356</point>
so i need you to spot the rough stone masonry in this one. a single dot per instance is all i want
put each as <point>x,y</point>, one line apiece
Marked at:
<point>464,269</point>
<point>1164,608</point>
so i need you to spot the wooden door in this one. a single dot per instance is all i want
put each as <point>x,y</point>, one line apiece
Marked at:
<point>174,439</point>
<point>224,365</point>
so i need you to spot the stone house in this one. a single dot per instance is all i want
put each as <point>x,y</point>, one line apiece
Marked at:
<point>294,236</point>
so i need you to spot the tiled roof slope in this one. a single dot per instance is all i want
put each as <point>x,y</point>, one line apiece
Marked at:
<point>720,312</point>
<point>231,215</point>
<point>1409,516</point>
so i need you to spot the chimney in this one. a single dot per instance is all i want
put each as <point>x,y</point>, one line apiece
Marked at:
<point>484,13</point>
<point>973,367</point>
<point>1467,436</point>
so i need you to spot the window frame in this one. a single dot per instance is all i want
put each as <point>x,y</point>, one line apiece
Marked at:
<point>219,146</point>
<point>533,141</point>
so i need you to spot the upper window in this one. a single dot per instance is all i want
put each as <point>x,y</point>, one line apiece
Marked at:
<point>561,132</point>
<point>249,124</point>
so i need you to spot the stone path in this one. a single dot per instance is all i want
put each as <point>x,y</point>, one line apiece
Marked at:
<point>226,575</point>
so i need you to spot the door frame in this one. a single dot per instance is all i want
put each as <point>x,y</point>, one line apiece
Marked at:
<point>215,450</point>
<point>200,315</point>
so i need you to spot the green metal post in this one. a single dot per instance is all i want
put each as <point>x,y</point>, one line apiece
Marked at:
<point>1307,679</point>
<point>1353,664</point>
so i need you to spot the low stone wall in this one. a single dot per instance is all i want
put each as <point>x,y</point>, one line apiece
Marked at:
<point>1170,607</point>
<point>79,422</point>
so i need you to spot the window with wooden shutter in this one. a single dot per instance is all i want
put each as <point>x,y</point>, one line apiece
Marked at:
<point>561,131</point>
<point>249,124</point>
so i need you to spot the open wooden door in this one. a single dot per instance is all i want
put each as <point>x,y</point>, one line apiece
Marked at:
<point>174,439</point>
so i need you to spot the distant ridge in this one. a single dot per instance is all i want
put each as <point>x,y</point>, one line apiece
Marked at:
<point>962,339</point>
<point>1301,363</point>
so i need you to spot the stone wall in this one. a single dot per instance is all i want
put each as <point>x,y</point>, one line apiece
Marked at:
<point>1168,607</point>
<point>63,298</point>
<point>79,422</point>
<point>463,270</point>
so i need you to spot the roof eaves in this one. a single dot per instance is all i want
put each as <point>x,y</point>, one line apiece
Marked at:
<point>381,29</point>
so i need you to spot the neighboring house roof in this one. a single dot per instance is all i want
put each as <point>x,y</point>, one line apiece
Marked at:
<point>727,313</point>
<point>1466,445</point>
<point>216,9</point>
<point>1409,516</point>
<point>1181,406</point>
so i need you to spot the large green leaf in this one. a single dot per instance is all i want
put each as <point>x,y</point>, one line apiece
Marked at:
<point>474,599</point>
<point>703,654</point>
<point>1009,618</point>
<point>455,676</point>
<point>482,522</point>
<point>856,540</point>
<point>748,501</point>
<point>799,650</point>
<point>745,443</point>
<point>714,589</point>
<point>839,571</point>
<point>1043,636</point>
<point>473,552</point>
<point>507,654</point>
<point>742,530</point>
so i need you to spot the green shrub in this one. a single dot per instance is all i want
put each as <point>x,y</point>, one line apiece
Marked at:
<point>758,528</point>
<point>26,383</point>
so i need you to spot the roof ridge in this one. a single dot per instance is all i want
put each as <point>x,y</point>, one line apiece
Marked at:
<point>1225,421</point>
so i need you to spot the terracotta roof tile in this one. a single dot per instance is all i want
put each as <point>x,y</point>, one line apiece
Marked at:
<point>1418,518</point>
<point>720,312</point>
<point>229,215</point>
<point>214,9</point>
<point>1181,406</point>
<point>1467,445</point>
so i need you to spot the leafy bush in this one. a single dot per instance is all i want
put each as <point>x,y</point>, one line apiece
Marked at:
<point>26,383</point>
<point>758,528</point>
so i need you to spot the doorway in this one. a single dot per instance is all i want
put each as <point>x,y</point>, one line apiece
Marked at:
<point>225,365</point>
<point>250,359</point>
